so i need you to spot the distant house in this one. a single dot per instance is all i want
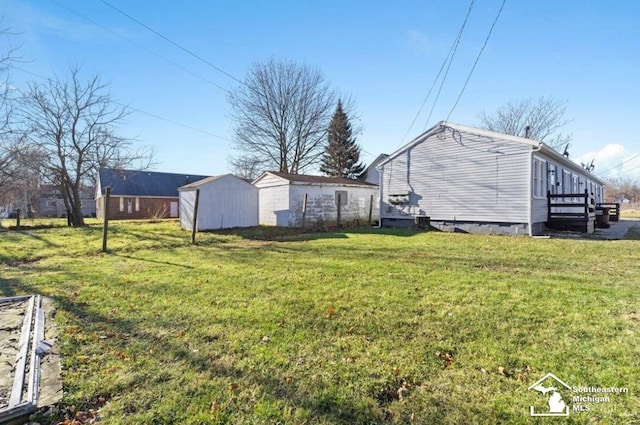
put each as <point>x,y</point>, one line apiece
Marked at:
<point>223,202</point>
<point>52,203</point>
<point>371,173</point>
<point>139,194</point>
<point>281,199</point>
<point>470,179</point>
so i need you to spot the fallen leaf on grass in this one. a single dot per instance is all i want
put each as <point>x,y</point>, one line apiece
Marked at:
<point>446,358</point>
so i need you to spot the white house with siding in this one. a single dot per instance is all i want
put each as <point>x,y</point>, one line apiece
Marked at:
<point>224,202</point>
<point>282,200</point>
<point>470,179</point>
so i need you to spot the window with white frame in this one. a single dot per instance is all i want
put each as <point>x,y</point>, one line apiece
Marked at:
<point>566,182</point>
<point>552,180</point>
<point>121,204</point>
<point>539,177</point>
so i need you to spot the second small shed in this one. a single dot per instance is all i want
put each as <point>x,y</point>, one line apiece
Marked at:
<point>282,200</point>
<point>224,202</point>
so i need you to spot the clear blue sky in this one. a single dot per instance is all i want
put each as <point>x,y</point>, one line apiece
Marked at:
<point>383,54</point>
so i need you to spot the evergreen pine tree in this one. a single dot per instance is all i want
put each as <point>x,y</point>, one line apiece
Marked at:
<point>342,154</point>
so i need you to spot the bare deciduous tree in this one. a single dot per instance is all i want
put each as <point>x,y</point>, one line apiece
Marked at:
<point>281,114</point>
<point>246,167</point>
<point>536,118</point>
<point>73,125</point>
<point>9,148</point>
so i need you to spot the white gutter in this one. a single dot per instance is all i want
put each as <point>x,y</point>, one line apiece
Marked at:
<point>530,190</point>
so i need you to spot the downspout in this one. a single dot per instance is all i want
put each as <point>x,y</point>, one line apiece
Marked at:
<point>530,190</point>
<point>380,179</point>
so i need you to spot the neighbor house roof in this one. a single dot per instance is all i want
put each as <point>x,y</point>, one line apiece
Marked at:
<point>302,178</point>
<point>144,183</point>
<point>540,146</point>
<point>373,164</point>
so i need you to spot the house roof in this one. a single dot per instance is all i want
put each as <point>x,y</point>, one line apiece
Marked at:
<point>534,144</point>
<point>373,164</point>
<point>144,183</point>
<point>302,178</point>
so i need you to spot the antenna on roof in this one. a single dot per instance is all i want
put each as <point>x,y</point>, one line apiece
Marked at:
<point>527,131</point>
<point>566,150</point>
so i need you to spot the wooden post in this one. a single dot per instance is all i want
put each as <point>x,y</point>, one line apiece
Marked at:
<point>586,206</point>
<point>194,224</point>
<point>339,210</point>
<point>370,211</point>
<point>304,210</point>
<point>18,219</point>
<point>105,225</point>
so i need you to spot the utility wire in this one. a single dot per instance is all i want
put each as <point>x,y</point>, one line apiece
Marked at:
<point>486,40</point>
<point>619,165</point>
<point>167,39</point>
<point>199,130</point>
<point>139,46</point>
<point>451,53</point>
<point>628,171</point>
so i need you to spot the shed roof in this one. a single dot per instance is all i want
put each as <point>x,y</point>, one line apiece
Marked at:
<point>144,183</point>
<point>204,181</point>
<point>302,178</point>
<point>542,147</point>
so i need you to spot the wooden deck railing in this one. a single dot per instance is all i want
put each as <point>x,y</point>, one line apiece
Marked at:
<point>571,211</point>
<point>614,210</point>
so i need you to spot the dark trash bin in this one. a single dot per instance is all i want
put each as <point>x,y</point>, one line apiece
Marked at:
<point>602,217</point>
<point>422,222</point>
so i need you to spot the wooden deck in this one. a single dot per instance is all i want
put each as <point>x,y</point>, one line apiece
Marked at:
<point>571,211</point>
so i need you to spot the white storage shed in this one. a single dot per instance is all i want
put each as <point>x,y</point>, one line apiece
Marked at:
<point>224,202</point>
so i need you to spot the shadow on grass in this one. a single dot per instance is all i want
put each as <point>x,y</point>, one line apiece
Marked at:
<point>148,260</point>
<point>7,287</point>
<point>293,234</point>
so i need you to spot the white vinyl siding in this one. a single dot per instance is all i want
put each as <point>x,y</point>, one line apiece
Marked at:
<point>447,178</point>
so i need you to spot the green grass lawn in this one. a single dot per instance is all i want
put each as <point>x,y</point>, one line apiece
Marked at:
<point>354,327</point>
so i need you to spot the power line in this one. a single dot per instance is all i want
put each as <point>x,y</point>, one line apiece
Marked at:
<point>142,111</point>
<point>452,50</point>
<point>167,39</point>
<point>619,165</point>
<point>139,46</point>
<point>628,171</point>
<point>486,40</point>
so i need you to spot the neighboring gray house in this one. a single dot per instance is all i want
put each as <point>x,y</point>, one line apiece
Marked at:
<point>477,180</point>
<point>223,202</point>
<point>281,199</point>
<point>371,174</point>
<point>52,203</point>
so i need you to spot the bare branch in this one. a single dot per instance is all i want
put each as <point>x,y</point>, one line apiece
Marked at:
<point>544,116</point>
<point>281,115</point>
